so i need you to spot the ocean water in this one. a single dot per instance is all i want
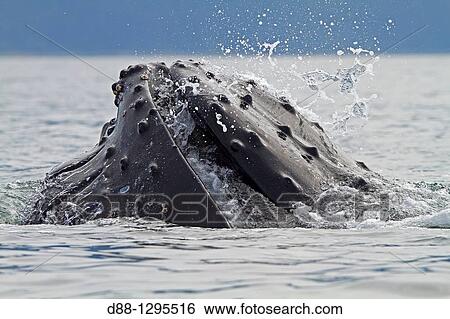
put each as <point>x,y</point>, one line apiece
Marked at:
<point>52,109</point>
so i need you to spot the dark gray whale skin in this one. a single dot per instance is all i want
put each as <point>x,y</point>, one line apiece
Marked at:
<point>137,163</point>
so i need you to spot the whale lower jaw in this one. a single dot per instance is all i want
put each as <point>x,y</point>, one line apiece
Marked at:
<point>197,149</point>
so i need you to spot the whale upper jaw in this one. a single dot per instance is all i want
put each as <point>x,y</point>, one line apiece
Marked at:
<point>138,169</point>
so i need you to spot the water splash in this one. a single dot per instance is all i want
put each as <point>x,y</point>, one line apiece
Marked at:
<point>271,47</point>
<point>347,79</point>
<point>277,29</point>
<point>15,198</point>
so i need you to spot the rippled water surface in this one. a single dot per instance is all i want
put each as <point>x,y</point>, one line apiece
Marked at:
<point>52,109</point>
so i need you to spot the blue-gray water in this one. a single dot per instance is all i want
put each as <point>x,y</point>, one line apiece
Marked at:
<point>52,109</point>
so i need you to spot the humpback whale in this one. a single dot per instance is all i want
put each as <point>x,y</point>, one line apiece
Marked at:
<point>142,164</point>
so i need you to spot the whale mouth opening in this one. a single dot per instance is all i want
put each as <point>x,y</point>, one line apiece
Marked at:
<point>228,185</point>
<point>257,169</point>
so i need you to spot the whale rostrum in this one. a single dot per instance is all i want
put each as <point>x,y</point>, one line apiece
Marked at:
<point>140,166</point>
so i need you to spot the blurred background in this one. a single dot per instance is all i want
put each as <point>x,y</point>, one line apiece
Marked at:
<point>221,27</point>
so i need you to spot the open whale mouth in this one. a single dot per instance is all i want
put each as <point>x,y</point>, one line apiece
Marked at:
<point>194,148</point>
